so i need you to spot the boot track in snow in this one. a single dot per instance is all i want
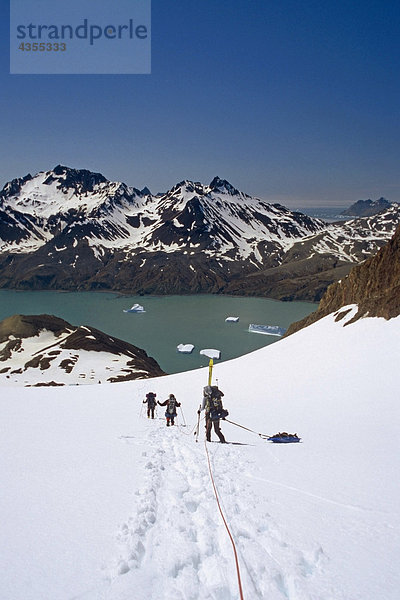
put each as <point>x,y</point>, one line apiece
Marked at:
<point>175,543</point>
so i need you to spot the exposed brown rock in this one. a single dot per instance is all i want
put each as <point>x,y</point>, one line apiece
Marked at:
<point>68,364</point>
<point>47,384</point>
<point>374,286</point>
<point>24,326</point>
<point>303,280</point>
<point>9,348</point>
<point>39,361</point>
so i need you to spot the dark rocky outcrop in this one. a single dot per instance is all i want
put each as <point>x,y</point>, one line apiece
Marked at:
<point>136,364</point>
<point>367,208</point>
<point>374,286</point>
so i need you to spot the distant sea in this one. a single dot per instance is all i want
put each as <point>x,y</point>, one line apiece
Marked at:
<point>327,213</point>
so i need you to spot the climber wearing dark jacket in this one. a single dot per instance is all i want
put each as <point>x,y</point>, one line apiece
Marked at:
<point>170,413</point>
<point>212,404</point>
<point>151,404</point>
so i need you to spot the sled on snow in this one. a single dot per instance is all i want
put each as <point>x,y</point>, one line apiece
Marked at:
<point>284,438</point>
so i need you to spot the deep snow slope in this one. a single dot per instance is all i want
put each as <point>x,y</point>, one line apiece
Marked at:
<point>100,503</point>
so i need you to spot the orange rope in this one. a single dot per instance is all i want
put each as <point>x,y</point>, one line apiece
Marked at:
<point>226,525</point>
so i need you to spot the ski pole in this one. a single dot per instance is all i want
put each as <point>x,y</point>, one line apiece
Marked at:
<point>183,417</point>
<point>196,432</point>
<point>262,435</point>
<point>141,410</point>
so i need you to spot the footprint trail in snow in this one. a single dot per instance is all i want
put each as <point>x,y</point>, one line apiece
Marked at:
<point>175,545</point>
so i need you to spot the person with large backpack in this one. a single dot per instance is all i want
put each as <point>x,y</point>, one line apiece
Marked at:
<point>214,410</point>
<point>151,404</point>
<point>170,412</point>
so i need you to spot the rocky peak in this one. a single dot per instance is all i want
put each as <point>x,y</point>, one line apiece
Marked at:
<point>145,191</point>
<point>186,186</point>
<point>222,185</point>
<point>12,188</point>
<point>80,180</point>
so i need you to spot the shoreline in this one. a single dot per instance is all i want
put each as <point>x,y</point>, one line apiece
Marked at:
<point>133,295</point>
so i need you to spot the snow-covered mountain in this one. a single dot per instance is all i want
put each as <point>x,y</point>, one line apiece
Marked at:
<point>99,502</point>
<point>80,204</point>
<point>43,350</point>
<point>73,229</point>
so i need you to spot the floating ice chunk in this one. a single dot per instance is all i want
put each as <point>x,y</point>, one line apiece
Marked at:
<point>185,348</point>
<point>211,353</point>
<point>136,308</point>
<point>232,319</point>
<point>267,329</point>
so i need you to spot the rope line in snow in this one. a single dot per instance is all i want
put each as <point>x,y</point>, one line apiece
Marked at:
<point>183,417</point>
<point>262,435</point>
<point>186,432</point>
<point>226,524</point>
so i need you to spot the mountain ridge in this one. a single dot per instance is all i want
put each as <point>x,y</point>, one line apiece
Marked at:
<point>367,208</point>
<point>73,229</point>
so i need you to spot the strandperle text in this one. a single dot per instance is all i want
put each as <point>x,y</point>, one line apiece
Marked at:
<point>85,31</point>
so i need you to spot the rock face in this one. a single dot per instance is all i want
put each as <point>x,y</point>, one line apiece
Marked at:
<point>367,208</point>
<point>71,229</point>
<point>373,285</point>
<point>46,350</point>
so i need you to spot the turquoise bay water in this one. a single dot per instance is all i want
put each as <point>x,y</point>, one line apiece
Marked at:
<point>167,322</point>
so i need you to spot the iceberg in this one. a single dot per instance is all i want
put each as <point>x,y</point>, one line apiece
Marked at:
<point>185,348</point>
<point>267,329</point>
<point>231,319</point>
<point>211,353</point>
<point>136,308</point>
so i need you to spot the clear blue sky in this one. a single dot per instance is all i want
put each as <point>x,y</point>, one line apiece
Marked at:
<point>293,101</point>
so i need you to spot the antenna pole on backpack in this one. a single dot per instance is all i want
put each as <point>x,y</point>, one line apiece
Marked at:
<point>210,370</point>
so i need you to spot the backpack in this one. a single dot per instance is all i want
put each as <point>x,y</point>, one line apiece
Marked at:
<point>171,408</point>
<point>215,402</point>
<point>215,392</point>
<point>151,399</point>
